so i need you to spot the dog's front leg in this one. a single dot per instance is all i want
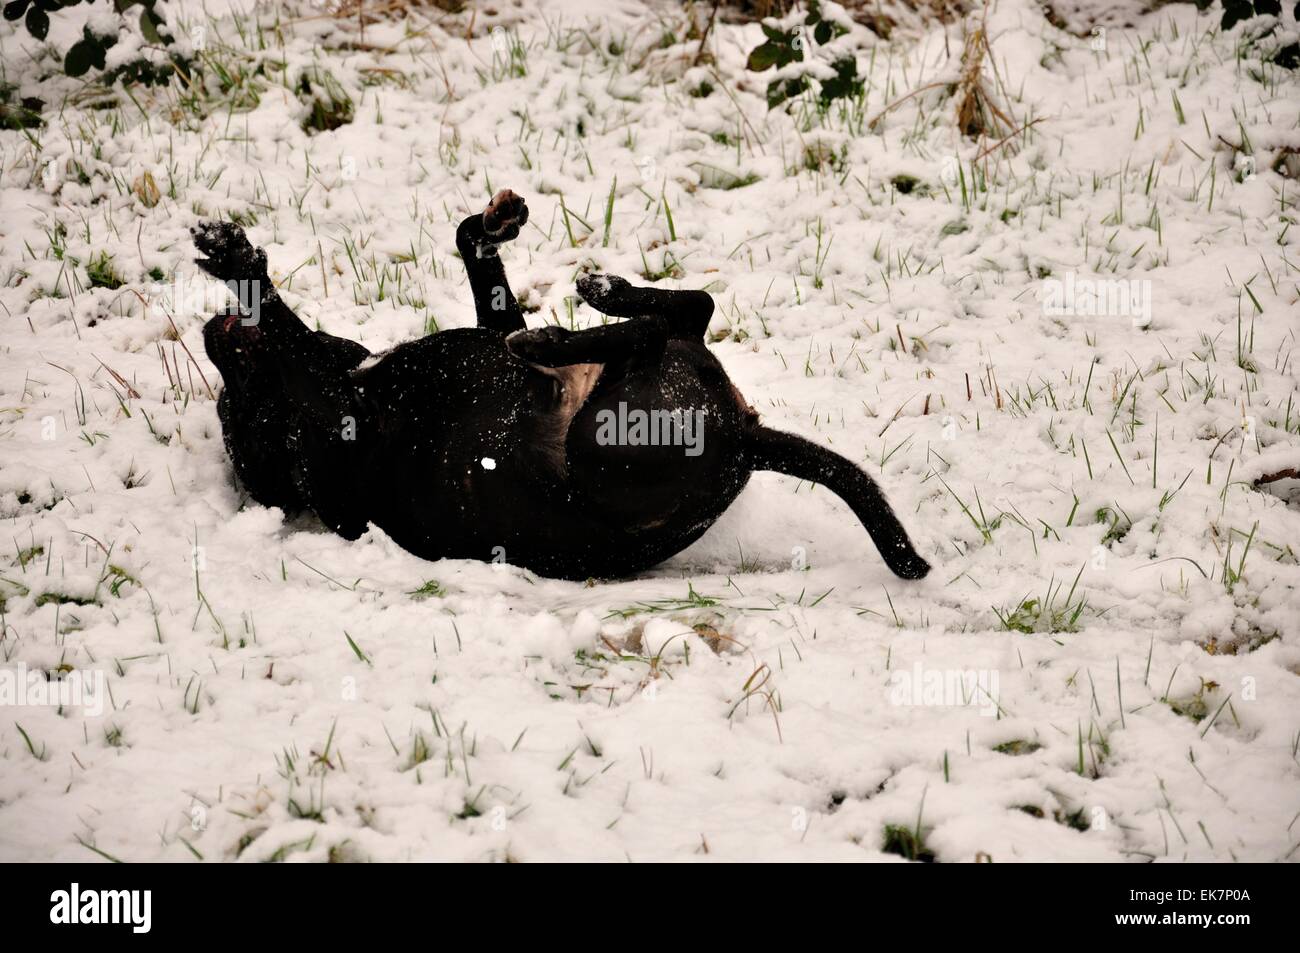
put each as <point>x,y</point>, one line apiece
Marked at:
<point>230,257</point>
<point>330,469</point>
<point>477,240</point>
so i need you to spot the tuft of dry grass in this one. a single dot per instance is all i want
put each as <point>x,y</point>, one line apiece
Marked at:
<point>978,113</point>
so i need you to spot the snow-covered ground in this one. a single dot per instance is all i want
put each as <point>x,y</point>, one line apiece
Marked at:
<point>1103,665</point>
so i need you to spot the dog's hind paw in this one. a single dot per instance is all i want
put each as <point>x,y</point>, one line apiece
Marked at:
<point>505,215</point>
<point>538,345</point>
<point>603,292</point>
<point>228,254</point>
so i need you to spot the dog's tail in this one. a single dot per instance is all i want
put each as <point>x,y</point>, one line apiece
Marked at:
<point>797,457</point>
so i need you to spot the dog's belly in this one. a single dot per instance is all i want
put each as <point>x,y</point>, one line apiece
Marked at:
<point>501,461</point>
<point>471,458</point>
<point>573,385</point>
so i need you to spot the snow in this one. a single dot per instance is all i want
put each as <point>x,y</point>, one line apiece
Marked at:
<point>276,692</point>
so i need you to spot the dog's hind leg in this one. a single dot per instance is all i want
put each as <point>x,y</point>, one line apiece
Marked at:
<point>477,239</point>
<point>641,341</point>
<point>659,315</point>
<point>326,475</point>
<point>789,454</point>
<point>687,312</point>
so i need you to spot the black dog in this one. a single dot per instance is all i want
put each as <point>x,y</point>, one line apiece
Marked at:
<point>577,454</point>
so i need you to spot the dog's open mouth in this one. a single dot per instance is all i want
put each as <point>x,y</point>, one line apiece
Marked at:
<point>241,327</point>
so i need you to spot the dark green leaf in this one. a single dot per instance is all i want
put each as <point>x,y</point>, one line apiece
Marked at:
<point>846,81</point>
<point>1288,57</point>
<point>77,61</point>
<point>149,28</point>
<point>1268,8</point>
<point>763,57</point>
<point>779,90</point>
<point>775,93</point>
<point>822,34</point>
<point>1234,11</point>
<point>15,9</point>
<point>23,115</point>
<point>38,23</point>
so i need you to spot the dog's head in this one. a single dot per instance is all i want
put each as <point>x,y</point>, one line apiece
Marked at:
<point>236,343</point>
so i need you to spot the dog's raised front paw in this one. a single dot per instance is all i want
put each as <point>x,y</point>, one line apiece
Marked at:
<point>505,215</point>
<point>229,255</point>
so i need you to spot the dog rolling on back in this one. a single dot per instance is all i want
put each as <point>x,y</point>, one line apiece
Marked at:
<point>576,454</point>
